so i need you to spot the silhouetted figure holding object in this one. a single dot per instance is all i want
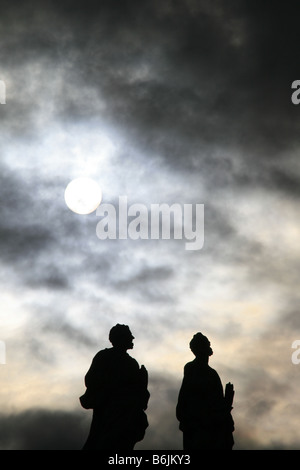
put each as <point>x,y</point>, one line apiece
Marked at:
<point>203,411</point>
<point>117,393</point>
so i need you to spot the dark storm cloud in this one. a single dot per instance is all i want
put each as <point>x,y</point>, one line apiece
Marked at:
<point>39,429</point>
<point>148,283</point>
<point>290,319</point>
<point>285,182</point>
<point>38,350</point>
<point>181,79</point>
<point>68,332</point>
<point>51,278</point>
<point>213,71</point>
<point>206,88</point>
<point>19,238</point>
<point>32,239</point>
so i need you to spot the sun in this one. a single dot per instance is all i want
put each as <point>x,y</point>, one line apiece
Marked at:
<point>83,195</point>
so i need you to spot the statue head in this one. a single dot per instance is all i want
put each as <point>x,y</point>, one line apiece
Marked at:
<point>121,336</point>
<point>200,345</point>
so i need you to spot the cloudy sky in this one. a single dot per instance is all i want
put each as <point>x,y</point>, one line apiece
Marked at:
<point>185,102</point>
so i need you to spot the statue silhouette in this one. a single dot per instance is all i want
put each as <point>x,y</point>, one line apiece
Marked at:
<point>203,411</point>
<point>116,390</point>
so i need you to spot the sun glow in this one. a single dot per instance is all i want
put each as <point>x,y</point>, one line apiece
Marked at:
<point>83,195</point>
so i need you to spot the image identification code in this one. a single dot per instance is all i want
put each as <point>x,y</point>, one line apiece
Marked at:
<point>164,459</point>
